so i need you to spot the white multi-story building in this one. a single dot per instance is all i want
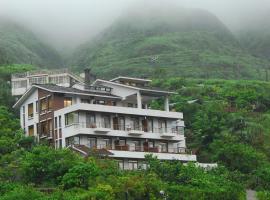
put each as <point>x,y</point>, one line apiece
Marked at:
<point>112,118</point>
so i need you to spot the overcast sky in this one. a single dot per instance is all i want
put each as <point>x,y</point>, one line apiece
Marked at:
<point>72,22</point>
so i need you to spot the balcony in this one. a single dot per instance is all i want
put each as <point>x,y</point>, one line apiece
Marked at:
<point>48,135</point>
<point>121,130</point>
<point>119,110</point>
<point>147,149</point>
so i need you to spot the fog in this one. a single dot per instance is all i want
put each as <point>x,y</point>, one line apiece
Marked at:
<point>68,23</point>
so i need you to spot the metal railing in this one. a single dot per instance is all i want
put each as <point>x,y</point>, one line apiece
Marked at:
<point>40,72</point>
<point>141,148</point>
<point>122,127</point>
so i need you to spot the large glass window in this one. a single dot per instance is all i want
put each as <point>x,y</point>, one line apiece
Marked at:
<point>92,142</point>
<point>132,165</point>
<point>67,101</point>
<point>30,110</point>
<point>105,121</point>
<point>104,143</point>
<point>163,147</point>
<point>162,125</point>
<point>135,123</point>
<point>90,120</point>
<point>71,118</point>
<point>119,123</point>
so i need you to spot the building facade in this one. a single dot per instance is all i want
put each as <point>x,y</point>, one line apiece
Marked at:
<point>111,117</point>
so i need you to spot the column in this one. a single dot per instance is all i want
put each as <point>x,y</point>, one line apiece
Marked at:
<point>166,103</point>
<point>139,100</point>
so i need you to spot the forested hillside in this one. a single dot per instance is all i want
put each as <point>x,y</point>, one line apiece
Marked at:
<point>20,46</point>
<point>185,42</point>
<point>226,122</point>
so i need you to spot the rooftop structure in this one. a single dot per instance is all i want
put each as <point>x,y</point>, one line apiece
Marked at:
<point>112,118</point>
<point>21,82</point>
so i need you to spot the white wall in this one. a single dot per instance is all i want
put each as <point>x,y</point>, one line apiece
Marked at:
<point>28,122</point>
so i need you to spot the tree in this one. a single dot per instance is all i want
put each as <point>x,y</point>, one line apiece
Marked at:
<point>45,164</point>
<point>80,175</point>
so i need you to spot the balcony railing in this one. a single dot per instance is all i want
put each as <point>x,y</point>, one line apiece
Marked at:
<point>47,134</point>
<point>123,127</point>
<point>39,72</point>
<point>140,148</point>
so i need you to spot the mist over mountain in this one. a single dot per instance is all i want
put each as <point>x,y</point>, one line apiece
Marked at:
<point>255,36</point>
<point>177,41</point>
<point>20,46</point>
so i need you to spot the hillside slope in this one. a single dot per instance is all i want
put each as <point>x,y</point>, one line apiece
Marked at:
<point>171,41</point>
<point>20,46</point>
<point>256,36</point>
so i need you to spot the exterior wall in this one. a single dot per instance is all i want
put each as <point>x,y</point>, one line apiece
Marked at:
<point>57,103</point>
<point>29,121</point>
<point>120,90</point>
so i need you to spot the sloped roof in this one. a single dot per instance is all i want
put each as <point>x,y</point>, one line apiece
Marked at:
<point>66,90</point>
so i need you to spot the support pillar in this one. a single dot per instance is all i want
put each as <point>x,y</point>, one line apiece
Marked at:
<point>139,100</point>
<point>166,103</point>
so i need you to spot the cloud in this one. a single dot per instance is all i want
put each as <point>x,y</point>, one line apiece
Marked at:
<point>67,23</point>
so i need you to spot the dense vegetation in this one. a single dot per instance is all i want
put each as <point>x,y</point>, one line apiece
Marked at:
<point>29,171</point>
<point>20,46</point>
<point>226,122</point>
<point>186,43</point>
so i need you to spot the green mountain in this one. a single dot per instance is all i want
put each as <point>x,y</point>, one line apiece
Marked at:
<point>256,37</point>
<point>169,41</point>
<point>20,46</point>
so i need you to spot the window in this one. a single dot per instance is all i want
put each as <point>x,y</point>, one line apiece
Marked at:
<point>71,118</point>
<point>92,142</point>
<point>50,127</point>
<point>44,128</point>
<point>162,125</point>
<point>67,101</point>
<point>163,147</point>
<point>31,130</point>
<point>60,143</point>
<point>151,144</point>
<point>135,145</point>
<point>36,106</point>
<point>43,105</point>
<point>50,103</point>
<point>132,165</point>
<point>76,140</point>
<point>122,142</point>
<point>135,123</point>
<point>60,122</point>
<point>85,101</point>
<point>30,110</point>
<point>38,80</point>
<point>102,102</point>
<point>130,105</point>
<point>120,164</point>
<point>105,121</point>
<point>55,122</point>
<point>19,84</point>
<point>104,143</point>
<point>90,120</point>
<point>150,125</point>
<point>23,113</point>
